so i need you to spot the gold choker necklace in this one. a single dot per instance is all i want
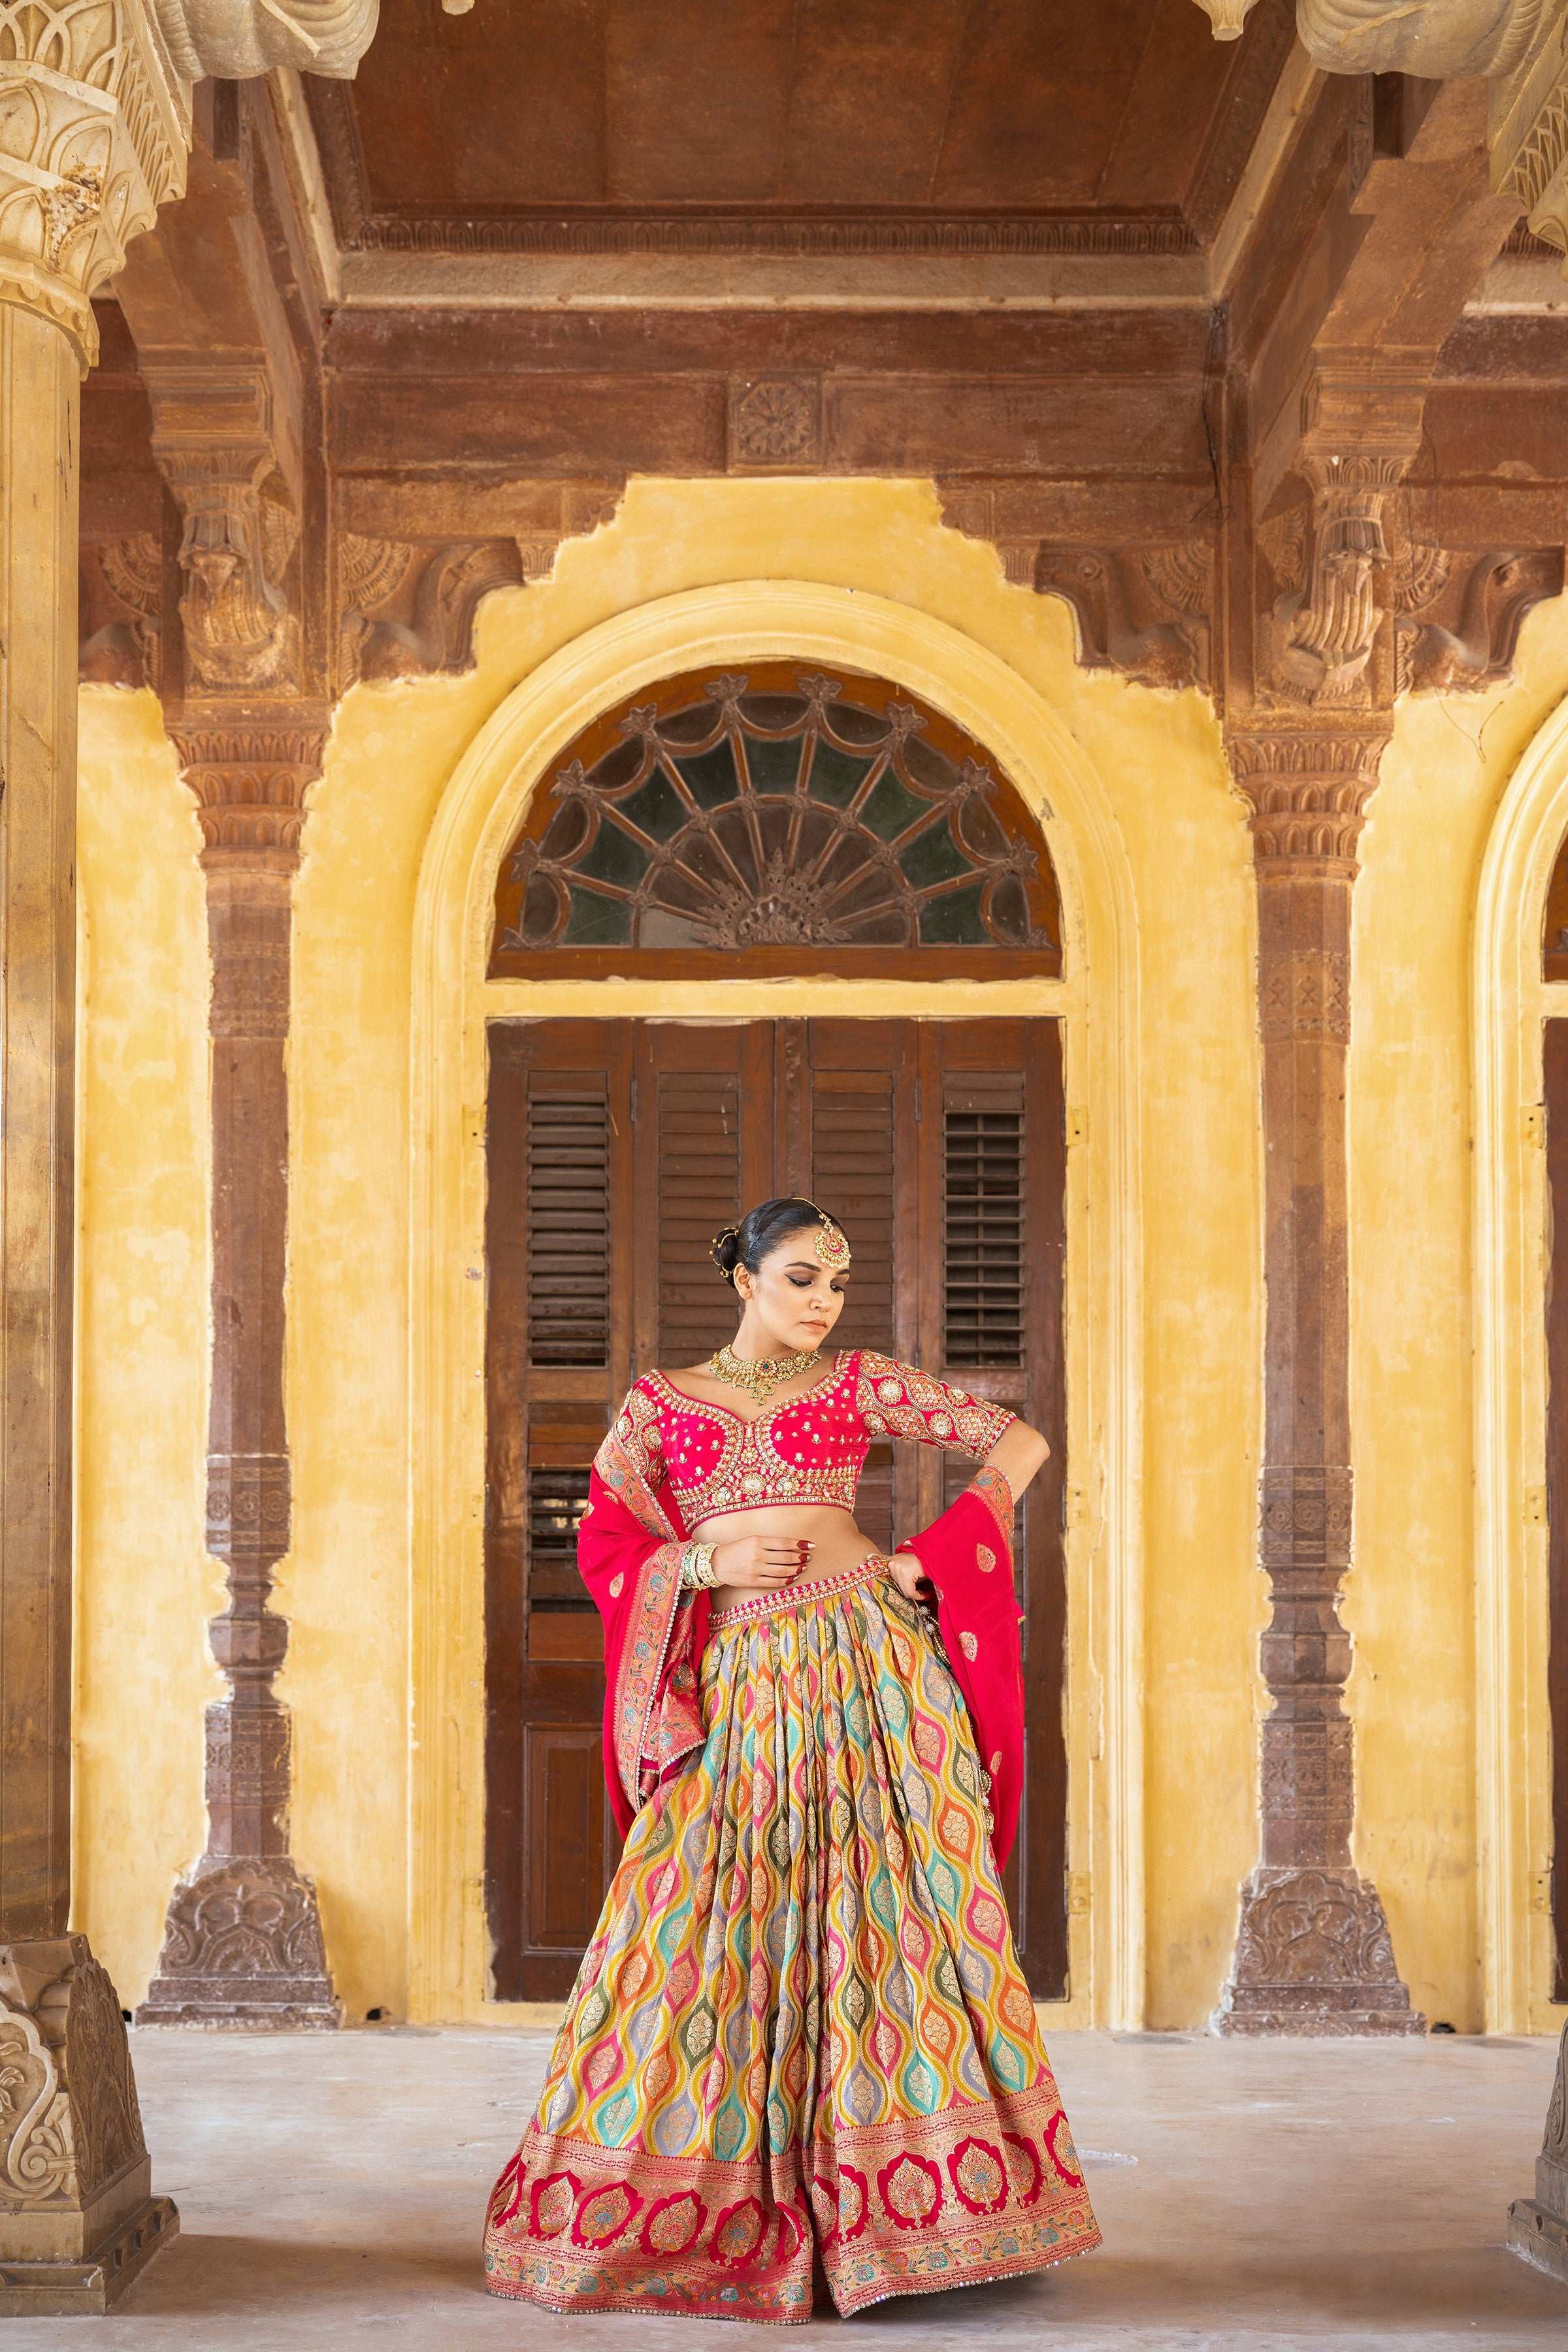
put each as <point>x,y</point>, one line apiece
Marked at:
<point>761,1379</point>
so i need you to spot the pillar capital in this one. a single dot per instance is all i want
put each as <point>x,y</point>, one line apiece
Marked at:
<point>1306,790</point>
<point>97,121</point>
<point>249,768</point>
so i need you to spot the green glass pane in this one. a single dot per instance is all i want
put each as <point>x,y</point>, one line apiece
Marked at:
<point>615,856</point>
<point>596,922</point>
<point>711,776</point>
<point>893,808</point>
<point>953,921</point>
<point>835,776</point>
<point>774,766</point>
<point>933,855</point>
<point>655,808</point>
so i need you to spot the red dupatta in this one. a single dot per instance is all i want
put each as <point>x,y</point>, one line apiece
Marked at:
<point>628,1549</point>
<point>968,1555</point>
<point>628,1553</point>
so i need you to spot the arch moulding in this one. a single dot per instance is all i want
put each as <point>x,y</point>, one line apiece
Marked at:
<point>1097,1000</point>
<point>1510,1004</point>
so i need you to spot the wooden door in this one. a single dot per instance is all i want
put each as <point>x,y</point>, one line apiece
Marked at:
<point>615,1152</point>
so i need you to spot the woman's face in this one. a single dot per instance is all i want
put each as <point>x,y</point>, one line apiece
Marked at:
<point>792,1302</point>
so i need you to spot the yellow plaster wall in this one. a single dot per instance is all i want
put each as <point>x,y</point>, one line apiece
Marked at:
<point>1410,1597</point>
<point>345,1588</point>
<point>145,1583</point>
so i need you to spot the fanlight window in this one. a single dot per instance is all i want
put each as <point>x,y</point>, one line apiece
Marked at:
<point>812,823</point>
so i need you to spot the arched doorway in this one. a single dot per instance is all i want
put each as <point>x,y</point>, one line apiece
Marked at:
<point>764,823</point>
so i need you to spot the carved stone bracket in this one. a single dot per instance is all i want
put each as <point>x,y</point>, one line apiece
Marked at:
<point>76,2209</point>
<point>1537,2225</point>
<point>1458,615</point>
<point>220,447</point>
<point>408,609</point>
<point>1141,609</point>
<point>122,600</point>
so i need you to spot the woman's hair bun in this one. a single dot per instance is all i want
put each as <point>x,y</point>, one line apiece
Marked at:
<point>724,1249</point>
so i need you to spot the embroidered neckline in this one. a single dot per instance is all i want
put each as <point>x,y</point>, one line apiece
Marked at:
<point>701,1405</point>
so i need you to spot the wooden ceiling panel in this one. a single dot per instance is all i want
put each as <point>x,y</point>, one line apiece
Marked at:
<point>696,95</point>
<point>1181,79</point>
<point>870,100</point>
<point>502,106</point>
<point>1041,92</point>
<point>618,110</point>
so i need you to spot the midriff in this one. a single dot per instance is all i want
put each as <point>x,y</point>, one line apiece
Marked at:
<point>838,1543</point>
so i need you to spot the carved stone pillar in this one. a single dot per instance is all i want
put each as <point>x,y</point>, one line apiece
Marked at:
<point>1537,2225</point>
<point>93,140</point>
<point>242,1943</point>
<point>1312,1953</point>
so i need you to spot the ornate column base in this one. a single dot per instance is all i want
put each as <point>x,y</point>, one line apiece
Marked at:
<point>78,2219</point>
<point>1313,1957</point>
<point>1537,2225</point>
<point>242,1947</point>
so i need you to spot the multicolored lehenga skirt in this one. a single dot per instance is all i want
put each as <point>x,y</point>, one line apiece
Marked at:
<point>800,2038</point>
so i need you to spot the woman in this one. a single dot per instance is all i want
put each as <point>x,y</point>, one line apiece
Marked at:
<point>800,2039</point>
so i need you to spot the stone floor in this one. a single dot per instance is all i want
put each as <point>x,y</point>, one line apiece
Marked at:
<point>1287,2194</point>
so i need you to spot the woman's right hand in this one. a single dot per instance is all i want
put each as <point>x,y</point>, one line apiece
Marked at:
<point>761,1563</point>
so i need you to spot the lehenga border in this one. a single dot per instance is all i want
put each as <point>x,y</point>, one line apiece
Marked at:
<point>984,2190</point>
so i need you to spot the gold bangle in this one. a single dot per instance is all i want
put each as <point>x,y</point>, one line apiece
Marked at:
<point>697,1570</point>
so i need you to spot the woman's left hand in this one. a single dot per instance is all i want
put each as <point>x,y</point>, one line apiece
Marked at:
<point>911,1577</point>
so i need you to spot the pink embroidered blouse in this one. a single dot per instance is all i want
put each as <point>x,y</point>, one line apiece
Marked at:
<point>809,1449</point>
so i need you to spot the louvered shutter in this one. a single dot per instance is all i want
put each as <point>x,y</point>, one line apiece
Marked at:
<point>992,1209</point>
<point>559,1171</point>
<point>704,1155</point>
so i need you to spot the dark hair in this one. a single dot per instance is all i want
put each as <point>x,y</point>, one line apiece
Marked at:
<point>760,1232</point>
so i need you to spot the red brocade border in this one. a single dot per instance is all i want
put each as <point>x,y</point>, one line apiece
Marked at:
<point>984,2190</point>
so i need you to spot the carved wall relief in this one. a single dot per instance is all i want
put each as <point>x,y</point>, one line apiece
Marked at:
<point>1458,615</point>
<point>121,600</point>
<point>1330,562</point>
<point>407,609</point>
<point>1142,611</point>
<point>775,423</point>
<point>222,435</point>
<point>240,635</point>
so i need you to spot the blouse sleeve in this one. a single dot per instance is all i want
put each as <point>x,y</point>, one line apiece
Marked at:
<point>636,1436</point>
<point>894,1400</point>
